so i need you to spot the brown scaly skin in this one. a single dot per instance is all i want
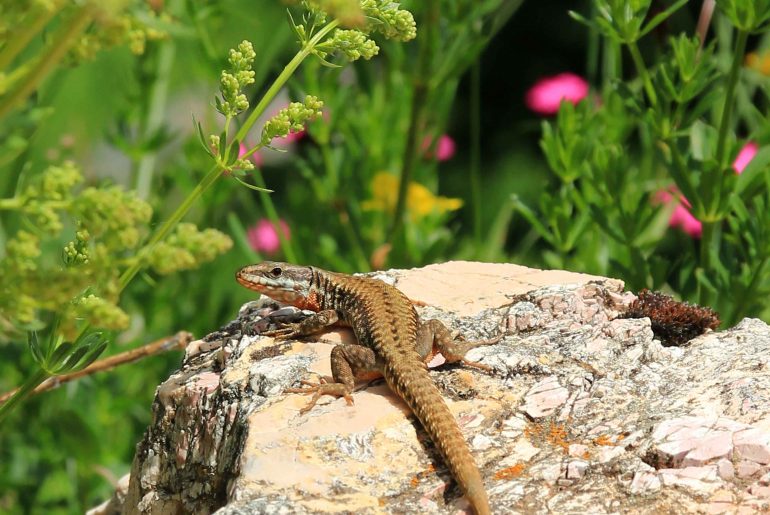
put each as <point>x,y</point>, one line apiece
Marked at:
<point>392,342</point>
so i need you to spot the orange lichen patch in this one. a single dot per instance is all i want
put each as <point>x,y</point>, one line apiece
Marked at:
<point>511,472</point>
<point>420,475</point>
<point>554,434</point>
<point>586,455</point>
<point>603,440</point>
<point>557,435</point>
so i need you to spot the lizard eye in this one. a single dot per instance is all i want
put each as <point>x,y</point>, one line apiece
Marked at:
<point>275,272</point>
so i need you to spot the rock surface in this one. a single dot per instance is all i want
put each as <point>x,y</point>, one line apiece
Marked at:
<point>585,413</point>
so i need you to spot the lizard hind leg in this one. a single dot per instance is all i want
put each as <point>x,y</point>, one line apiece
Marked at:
<point>433,337</point>
<point>348,363</point>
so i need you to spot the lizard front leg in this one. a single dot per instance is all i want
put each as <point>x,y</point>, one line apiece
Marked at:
<point>433,337</point>
<point>349,362</point>
<point>315,323</point>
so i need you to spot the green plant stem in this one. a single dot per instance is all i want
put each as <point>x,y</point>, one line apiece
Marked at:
<point>641,69</point>
<point>727,109</point>
<point>708,246</point>
<point>475,167</point>
<point>420,94</point>
<point>23,34</point>
<point>23,392</point>
<point>156,111</point>
<point>60,44</point>
<point>592,49</point>
<point>10,203</point>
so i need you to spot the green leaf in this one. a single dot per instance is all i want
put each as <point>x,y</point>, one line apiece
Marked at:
<point>251,186</point>
<point>326,63</point>
<point>232,155</point>
<point>202,137</point>
<point>661,17</point>
<point>533,220</point>
<point>704,281</point>
<point>89,356</point>
<point>58,357</point>
<point>581,19</point>
<point>73,358</point>
<point>601,219</point>
<point>295,28</point>
<point>684,181</point>
<point>703,138</point>
<point>34,347</point>
<point>222,144</point>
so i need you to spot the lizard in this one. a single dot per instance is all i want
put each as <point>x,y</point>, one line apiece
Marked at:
<point>392,342</point>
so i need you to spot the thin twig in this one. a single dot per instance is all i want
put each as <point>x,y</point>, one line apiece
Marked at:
<point>178,341</point>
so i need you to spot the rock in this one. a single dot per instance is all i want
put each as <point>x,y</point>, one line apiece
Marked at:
<point>753,444</point>
<point>585,412</point>
<point>576,469</point>
<point>746,469</point>
<point>544,397</point>
<point>725,469</point>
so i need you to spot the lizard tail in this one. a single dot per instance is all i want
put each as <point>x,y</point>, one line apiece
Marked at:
<point>414,385</point>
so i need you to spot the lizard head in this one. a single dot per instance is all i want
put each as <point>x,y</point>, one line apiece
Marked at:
<point>290,284</point>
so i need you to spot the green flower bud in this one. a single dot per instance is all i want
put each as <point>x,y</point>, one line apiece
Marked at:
<point>291,119</point>
<point>100,313</point>
<point>187,248</point>
<point>387,19</point>
<point>354,44</point>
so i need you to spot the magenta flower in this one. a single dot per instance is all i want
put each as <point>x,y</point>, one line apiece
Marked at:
<point>681,216</point>
<point>445,148</point>
<point>263,237</point>
<point>745,156</point>
<point>547,93</point>
<point>256,157</point>
<point>290,138</point>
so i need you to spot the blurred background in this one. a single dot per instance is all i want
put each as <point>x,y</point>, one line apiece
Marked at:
<point>125,116</point>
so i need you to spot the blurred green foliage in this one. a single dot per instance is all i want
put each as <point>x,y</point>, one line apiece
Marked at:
<point>679,139</point>
<point>366,185</point>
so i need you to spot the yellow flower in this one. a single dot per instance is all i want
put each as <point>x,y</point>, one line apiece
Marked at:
<point>420,201</point>
<point>759,62</point>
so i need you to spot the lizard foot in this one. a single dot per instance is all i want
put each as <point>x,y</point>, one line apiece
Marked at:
<point>283,333</point>
<point>465,346</point>
<point>323,387</point>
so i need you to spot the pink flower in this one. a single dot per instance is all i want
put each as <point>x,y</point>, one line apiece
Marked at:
<point>681,216</point>
<point>256,157</point>
<point>263,237</point>
<point>289,138</point>
<point>745,156</point>
<point>547,93</point>
<point>445,148</point>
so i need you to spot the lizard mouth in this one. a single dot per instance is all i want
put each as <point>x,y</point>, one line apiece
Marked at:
<point>277,289</point>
